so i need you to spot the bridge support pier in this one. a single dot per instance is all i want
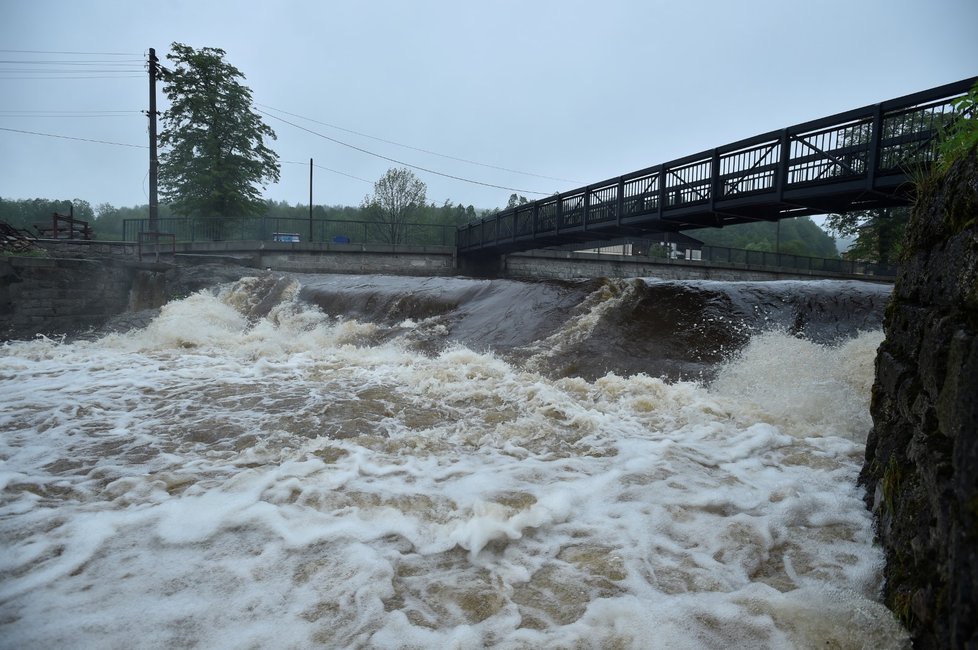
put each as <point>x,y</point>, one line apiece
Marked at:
<point>491,265</point>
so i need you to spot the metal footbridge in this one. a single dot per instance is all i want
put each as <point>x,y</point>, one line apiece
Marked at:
<point>860,159</point>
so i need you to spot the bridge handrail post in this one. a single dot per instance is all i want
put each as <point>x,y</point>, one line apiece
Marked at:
<point>714,178</point>
<point>619,201</point>
<point>587,207</point>
<point>784,161</point>
<point>515,220</point>
<point>559,214</point>
<point>662,190</point>
<point>875,142</point>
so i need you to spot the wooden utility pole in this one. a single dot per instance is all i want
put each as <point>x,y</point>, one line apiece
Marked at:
<point>154,163</point>
<point>310,199</point>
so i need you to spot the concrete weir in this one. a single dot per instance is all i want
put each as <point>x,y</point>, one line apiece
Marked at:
<point>82,283</point>
<point>357,258</point>
<point>437,261</point>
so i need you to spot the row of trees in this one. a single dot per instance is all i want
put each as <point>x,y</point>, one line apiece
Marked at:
<point>24,213</point>
<point>399,201</point>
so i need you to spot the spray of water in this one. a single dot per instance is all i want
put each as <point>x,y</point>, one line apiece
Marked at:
<point>224,479</point>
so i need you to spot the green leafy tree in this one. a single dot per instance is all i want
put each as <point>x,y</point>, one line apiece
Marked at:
<point>399,198</point>
<point>878,233</point>
<point>960,136</point>
<point>516,200</point>
<point>214,155</point>
<point>108,221</point>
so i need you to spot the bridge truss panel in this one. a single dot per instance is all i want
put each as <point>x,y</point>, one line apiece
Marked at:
<point>910,136</point>
<point>689,183</point>
<point>830,154</point>
<point>750,171</point>
<point>641,194</point>
<point>602,204</point>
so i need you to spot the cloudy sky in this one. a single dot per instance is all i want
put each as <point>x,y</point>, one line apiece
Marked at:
<point>530,96</point>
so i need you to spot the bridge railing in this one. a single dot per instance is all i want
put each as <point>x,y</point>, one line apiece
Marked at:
<point>720,254</point>
<point>334,231</point>
<point>640,249</point>
<point>867,152</point>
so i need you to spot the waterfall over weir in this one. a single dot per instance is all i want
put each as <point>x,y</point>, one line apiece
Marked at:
<point>346,461</point>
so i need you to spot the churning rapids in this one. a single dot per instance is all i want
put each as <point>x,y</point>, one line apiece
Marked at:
<point>372,462</point>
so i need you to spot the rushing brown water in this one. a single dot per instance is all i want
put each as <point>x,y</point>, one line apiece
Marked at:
<point>403,463</point>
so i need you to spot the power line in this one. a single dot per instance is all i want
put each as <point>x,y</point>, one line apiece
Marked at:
<point>32,69</point>
<point>57,113</point>
<point>427,151</point>
<point>297,162</point>
<point>99,76</point>
<point>68,137</point>
<point>74,53</point>
<point>82,68</point>
<point>400,162</point>
<point>127,62</point>
<point>67,71</point>
<point>72,116</point>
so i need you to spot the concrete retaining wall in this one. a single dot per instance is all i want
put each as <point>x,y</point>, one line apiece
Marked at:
<point>59,296</point>
<point>568,265</point>
<point>353,258</point>
<point>278,256</point>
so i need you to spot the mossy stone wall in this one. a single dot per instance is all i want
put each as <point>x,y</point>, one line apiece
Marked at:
<point>921,469</point>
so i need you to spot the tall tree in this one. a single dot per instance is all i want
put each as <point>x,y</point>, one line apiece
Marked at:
<point>214,155</point>
<point>878,233</point>
<point>516,200</point>
<point>398,197</point>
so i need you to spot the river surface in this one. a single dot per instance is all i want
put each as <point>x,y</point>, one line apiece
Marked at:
<point>371,462</point>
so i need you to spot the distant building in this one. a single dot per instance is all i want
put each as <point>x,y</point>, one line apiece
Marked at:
<point>671,245</point>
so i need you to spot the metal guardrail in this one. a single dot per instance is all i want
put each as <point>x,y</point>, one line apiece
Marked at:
<point>720,254</point>
<point>330,231</point>
<point>858,159</point>
<point>640,249</point>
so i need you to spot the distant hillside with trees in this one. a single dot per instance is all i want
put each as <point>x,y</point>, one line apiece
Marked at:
<point>798,236</point>
<point>24,213</point>
<point>108,220</point>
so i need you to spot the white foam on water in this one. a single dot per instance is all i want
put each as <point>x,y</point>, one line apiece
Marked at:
<point>210,482</point>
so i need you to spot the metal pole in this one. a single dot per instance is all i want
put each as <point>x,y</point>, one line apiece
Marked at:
<point>153,160</point>
<point>310,199</point>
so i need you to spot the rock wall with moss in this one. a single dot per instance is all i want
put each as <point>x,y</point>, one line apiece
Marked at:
<point>921,469</point>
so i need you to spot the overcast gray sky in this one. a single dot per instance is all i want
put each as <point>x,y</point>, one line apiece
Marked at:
<point>566,92</point>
